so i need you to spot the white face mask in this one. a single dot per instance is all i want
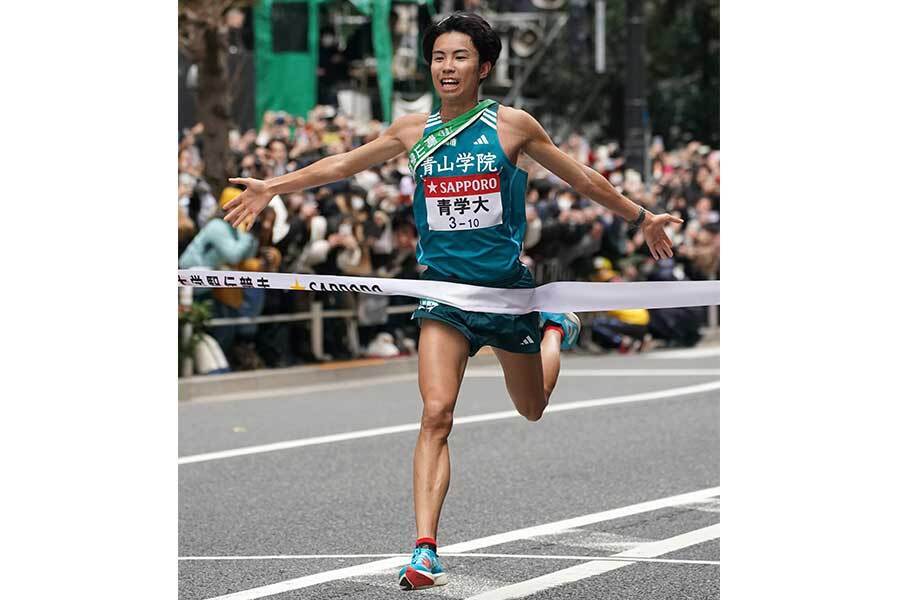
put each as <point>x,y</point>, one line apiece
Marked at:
<point>564,204</point>
<point>357,203</point>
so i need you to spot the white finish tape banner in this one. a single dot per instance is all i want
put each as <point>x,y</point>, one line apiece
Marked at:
<point>559,296</point>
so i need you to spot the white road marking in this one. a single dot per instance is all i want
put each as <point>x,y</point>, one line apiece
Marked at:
<point>494,416</point>
<point>711,505</point>
<point>482,372</point>
<point>674,561</point>
<point>291,556</point>
<point>476,544</point>
<point>477,372</point>
<point>705,352</point>
<point>313,441</point>
<point>591,539</point>
<point>597,567</point>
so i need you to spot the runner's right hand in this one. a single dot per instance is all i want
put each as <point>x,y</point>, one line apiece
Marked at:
<point>246,207</point>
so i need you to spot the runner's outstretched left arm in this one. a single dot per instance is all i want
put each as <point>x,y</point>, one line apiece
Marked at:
<point>588,182</point>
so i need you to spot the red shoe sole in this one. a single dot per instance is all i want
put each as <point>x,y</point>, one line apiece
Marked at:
<point>415,580</point>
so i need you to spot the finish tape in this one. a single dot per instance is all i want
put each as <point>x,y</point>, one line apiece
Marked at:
<point>559,296</point>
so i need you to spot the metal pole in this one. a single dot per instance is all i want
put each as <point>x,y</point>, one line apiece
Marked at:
<point>600,36</point>
<point>635,102</point>
<point>352,330</point>
<point>353,336</point>
<point>317,333</point>
<point>186,298</point>
<point>713,317</point>
<point>713,312</point>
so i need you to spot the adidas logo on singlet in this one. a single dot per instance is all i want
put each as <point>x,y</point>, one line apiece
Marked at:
<point>482,140</point>
<point>527,341</point>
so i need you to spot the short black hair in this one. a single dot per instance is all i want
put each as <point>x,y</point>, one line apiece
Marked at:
<point>484,38</point>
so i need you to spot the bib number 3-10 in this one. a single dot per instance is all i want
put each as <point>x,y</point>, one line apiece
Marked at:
<point>463,203</point>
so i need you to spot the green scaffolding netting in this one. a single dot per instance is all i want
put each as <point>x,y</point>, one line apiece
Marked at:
<point>287,52</point>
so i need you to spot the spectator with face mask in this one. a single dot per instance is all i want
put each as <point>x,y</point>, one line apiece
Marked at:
<point>278,156</point>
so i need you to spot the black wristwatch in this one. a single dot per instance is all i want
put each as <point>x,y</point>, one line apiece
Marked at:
<point>640,219</point>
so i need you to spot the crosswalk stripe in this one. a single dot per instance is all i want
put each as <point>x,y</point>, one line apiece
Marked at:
<point>598,567</point>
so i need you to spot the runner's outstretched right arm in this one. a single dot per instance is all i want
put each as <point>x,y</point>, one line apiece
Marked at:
<point>257,195</point>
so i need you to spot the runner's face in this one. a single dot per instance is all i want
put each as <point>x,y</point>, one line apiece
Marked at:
<point>454,67</point>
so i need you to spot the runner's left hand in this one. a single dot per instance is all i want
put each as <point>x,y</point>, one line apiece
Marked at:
<point>244,208</point>
<point>654,232</point>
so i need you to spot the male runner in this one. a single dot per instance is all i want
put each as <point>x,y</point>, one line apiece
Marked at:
<point>469,208</point>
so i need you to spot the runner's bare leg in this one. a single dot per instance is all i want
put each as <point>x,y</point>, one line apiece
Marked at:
<point>531,378</point>
<point>443,354</point>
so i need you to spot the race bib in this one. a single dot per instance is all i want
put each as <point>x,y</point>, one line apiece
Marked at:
<point>464,202</point>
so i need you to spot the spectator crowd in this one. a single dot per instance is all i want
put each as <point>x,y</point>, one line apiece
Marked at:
<point>364,226</point>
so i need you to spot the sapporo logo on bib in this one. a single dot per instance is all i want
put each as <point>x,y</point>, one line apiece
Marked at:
<point>464,202</point>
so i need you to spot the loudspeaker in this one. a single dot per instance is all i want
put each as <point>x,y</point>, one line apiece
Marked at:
<point>525,39</point>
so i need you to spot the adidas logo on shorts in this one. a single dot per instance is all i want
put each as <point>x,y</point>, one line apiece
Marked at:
<point>527,341</point>
<point>428,305</point>
<point>481,140</point>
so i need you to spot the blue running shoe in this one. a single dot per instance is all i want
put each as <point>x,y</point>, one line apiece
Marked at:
<point>570,324</point>
<point>423,571</point>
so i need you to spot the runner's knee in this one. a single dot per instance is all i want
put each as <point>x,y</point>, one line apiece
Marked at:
<point>533,411</point>
<point>437,420</point>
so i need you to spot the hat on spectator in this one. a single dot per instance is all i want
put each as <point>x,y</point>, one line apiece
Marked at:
<point>601,262</point>
<point>228,194</point>
<point>605,271</point>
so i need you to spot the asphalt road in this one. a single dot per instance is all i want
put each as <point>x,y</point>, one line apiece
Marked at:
<point>330,517</point>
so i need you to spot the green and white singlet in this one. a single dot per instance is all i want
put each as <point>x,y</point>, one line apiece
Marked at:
<point>469,205</point>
